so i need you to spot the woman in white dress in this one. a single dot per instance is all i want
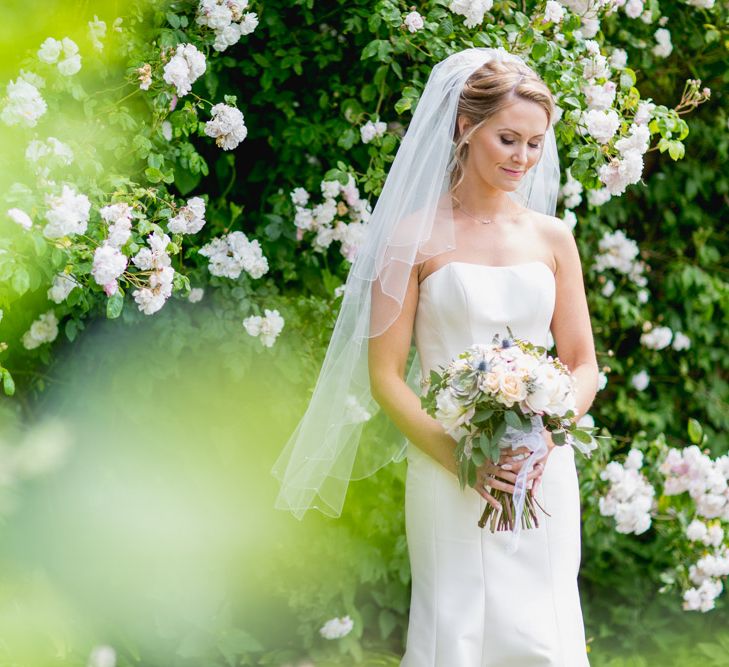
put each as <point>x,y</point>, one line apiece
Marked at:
<point>473,604</point>
<point>462,243</point>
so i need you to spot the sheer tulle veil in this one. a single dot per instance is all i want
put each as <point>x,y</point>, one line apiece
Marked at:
<point>411,222</point>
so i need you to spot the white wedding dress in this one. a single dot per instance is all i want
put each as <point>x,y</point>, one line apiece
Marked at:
<point>473,604</point>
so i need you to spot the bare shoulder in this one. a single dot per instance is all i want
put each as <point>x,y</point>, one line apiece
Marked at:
<point>557,236</point>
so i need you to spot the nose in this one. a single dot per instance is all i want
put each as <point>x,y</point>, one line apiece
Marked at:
<point>520,154</point>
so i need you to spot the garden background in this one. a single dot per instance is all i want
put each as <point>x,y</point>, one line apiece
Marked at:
<point>171,270</point>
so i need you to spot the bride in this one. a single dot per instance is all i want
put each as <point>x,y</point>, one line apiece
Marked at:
<point>462,243</point>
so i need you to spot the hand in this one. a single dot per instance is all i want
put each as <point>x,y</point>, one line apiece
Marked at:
<point>497,476</point>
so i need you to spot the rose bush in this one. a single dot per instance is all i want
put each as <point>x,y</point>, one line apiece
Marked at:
<point>228,154</point>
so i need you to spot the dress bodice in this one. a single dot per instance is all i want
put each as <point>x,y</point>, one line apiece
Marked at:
<point>463,303</point>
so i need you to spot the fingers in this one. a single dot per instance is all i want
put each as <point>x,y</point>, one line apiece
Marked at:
<point>491,470</point>
<point>489,498</point>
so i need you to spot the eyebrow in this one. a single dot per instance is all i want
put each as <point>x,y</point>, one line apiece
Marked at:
<point>508,129</point>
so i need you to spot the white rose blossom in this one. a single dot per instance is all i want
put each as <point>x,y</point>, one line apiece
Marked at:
<point>97,32</point>
<point>618,58</point>
<point>414,21</point>
<point>229,255</point>
<point>598,197</point>
<point>630,496</point>
<point>633,8</point>
<point>640,380</point>
<point>266,328</point>
<point>227,126</point>
<point>63,285</point>
<point>71,62</point>
<point>68,214</point>
<point>600,97</point>
<point>20,217</point>
<point>227,20</point>
<point>336,628</point>
<point>569,218</point>
<point>184,68</point>
<point>25,104</point>
<point>571,191</point>
<point>119,218</point>
<point>299,196</point>
<point>150,299</point>
<point>109,263</point>
<point>155,255</point>
<point>553,12</point>
<point>657,338</point>
<point>190,219</point>
<point>370,130</point>
<point>663,47</point>
<point>681,341</point>
<point>50,51</point>
<point>602,124</point>
<point>472,10</point>
<point>43,330</point>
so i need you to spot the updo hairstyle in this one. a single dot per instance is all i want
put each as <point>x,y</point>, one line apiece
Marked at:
<point>492,87</point>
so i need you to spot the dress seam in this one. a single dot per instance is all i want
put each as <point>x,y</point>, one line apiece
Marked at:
<point>436,591</point>
<point>554,592</point>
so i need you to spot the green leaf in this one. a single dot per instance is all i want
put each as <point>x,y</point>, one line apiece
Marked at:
<point>482,415</point>
<point>173,20</point>
<point>185,182</point>
<point>8,383</point>
<point>21,281</point>
<point>582,436</point>
<point>387,622</point>
<point>472,475</point>
<point>484,443</point>
<point>695,431</point>
<point>558,437</point>
<point>498,432</point>
<point>71,329</point>
<point>512,419</point>
<point>114,305</point>
<point>539,50</point>
<point>153,174</point>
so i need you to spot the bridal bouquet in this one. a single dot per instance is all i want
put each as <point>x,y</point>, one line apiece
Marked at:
<point>503,396</point>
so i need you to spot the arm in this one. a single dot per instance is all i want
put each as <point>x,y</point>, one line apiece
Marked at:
<point>387,356</point>
<point>571,326</point>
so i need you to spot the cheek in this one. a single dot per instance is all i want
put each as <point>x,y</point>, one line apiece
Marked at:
<point>494,150</point>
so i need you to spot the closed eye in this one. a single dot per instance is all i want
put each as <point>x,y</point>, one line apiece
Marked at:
<point>508,142</point>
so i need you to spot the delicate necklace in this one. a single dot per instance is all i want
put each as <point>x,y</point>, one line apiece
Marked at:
<point>483,221</point>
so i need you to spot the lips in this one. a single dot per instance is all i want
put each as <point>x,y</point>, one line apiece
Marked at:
<point>512,172</point>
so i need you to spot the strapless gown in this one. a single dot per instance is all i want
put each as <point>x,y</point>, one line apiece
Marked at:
<point>473,604</point>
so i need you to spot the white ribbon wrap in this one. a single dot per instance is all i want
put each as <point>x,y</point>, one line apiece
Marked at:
<point>536,443</point>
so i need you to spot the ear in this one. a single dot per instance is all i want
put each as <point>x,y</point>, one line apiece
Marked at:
<point>463,124</point>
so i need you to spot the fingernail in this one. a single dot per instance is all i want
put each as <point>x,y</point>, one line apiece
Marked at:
<point>506,466</point>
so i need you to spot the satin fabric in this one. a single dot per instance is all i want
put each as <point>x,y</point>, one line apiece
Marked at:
<point>473,604</point>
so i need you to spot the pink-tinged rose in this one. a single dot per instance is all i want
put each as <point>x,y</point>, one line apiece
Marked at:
<point>512,389</point>
<point>299,233</point>
<point>111,288</point>
<point>173,103</point>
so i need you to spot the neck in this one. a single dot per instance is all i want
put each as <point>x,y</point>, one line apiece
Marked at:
<point>481,199</point>
<point>482,205</point>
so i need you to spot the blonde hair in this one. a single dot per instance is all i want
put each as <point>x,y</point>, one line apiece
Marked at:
<point>492,87</point>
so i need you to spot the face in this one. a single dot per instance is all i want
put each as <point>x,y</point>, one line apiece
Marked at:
<point>507,145</point>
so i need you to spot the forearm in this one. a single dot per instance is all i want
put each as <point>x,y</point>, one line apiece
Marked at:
<point>586,380</point>
<point>403,407</point>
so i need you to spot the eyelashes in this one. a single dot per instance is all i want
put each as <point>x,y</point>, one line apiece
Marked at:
<point>508,142</point>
